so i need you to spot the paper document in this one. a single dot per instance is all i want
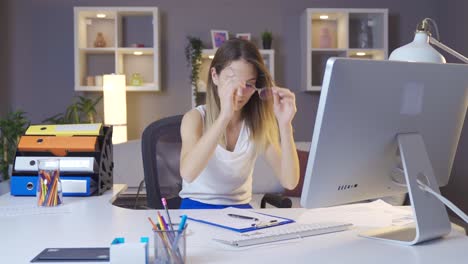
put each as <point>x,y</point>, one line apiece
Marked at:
<point>373,214</point>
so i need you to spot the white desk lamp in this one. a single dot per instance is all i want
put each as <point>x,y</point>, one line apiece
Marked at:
<point>420,51</point>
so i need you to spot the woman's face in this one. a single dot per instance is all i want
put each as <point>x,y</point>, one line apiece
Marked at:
<point>240,73</point>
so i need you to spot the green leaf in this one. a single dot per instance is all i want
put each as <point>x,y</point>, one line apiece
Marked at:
<point>11,128</point>
<point>193,55</point>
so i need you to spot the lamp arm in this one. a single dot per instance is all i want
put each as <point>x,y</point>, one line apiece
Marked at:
<point>437,43</point>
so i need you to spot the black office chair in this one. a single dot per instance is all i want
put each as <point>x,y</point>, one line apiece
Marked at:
<point>160,145</point>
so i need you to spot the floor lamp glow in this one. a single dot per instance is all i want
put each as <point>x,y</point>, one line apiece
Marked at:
<point>115,106</point>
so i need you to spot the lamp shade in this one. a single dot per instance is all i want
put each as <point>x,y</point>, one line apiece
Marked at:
<point>418,51</point>
<point>115,106</point>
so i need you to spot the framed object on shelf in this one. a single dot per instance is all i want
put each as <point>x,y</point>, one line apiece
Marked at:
<point>333,32</point>
<point>218,37</point>
<point>121,40</point>
<point>245,36</point>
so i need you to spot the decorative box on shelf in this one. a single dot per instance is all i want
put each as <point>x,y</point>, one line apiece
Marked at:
<point>122,40</point>
<point>330,32</point>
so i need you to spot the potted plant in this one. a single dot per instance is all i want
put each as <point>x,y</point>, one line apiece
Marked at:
<point>87,107</point>
<point>81,111</point>
<point>267,37</point>
<point>193,55</point>
<point>11,128</point>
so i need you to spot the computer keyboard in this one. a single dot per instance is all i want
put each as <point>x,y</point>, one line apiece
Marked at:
<point>279,233</point>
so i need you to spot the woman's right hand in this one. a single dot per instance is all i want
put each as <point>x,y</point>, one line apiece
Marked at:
<point>228,85</point>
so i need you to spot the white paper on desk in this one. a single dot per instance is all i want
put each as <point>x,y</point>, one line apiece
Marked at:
<point>31,209</point>
<point>373,214</point>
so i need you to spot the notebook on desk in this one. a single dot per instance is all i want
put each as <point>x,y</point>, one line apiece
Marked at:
<point>73,255</point>
<point>239,220</point>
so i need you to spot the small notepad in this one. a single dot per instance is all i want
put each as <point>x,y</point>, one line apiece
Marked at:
<point>221,218</point>
<point>73,255</point>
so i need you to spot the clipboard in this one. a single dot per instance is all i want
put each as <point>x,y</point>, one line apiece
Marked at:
<point>221,218</point>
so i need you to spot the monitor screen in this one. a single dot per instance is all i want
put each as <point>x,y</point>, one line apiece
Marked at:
<point>364,106</point>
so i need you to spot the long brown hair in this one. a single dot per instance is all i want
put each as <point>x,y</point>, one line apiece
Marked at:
<point>257,114</point>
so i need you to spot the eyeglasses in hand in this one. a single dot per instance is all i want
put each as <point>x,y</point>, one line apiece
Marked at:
<point>264,93</point>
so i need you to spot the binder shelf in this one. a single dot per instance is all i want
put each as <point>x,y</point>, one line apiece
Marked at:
<point>83,172</point>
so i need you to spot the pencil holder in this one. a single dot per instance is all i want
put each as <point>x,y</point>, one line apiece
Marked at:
<point>169,246</point>
<point>49,187</point>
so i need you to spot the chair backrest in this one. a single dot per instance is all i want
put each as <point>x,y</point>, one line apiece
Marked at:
<point>160,146</point>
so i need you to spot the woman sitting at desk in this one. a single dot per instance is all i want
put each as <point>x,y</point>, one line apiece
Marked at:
<point>221,140</point>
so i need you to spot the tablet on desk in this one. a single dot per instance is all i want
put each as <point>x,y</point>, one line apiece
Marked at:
<point>73,255</point>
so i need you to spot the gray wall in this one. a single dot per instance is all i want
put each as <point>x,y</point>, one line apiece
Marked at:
<point>38,73</point>
<point>453,33</point>
<point>21,93</point>
<point>42,49</point>
<point>4,60</point>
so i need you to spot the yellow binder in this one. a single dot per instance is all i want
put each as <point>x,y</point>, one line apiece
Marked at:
<point>65,130</point>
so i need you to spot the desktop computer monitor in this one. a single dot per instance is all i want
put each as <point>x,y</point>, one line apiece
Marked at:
<point>381,126</point>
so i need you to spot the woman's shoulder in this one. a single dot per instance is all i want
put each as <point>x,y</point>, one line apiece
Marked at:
<point>193,114</point>
<point>193,118</point>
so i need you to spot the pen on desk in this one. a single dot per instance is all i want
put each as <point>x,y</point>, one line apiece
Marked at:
<point>266,224</point>
<point>179,230</point>
<point>152,223</point>
<point>169,234</point>
<point>156,228</point>
<point>161,221</point>
<point>243,217</point>
<point>164,202</point>
<point>182,223</point>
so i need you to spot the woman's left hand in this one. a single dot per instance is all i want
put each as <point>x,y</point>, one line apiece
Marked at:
<point>284,105</point>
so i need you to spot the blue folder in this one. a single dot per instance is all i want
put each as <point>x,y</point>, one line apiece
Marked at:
<point>26,185</point>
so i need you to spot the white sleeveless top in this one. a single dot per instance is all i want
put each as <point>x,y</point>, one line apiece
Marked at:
<point>227,179</point>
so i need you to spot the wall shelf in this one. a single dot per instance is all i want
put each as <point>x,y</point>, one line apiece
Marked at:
<point>330,32</point>
<point>132,45</point>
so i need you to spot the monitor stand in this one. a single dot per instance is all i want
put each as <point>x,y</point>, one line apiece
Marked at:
<point>431,219</point>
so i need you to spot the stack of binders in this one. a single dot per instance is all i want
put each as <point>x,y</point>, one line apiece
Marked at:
<point>84,151</point>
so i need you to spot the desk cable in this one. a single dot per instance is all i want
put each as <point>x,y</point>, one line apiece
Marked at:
<point>138,194</point>
<point>441,198</point>
<point>444,200</point>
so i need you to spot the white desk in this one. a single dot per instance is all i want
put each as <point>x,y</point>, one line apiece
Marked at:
<point>94,222</point>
